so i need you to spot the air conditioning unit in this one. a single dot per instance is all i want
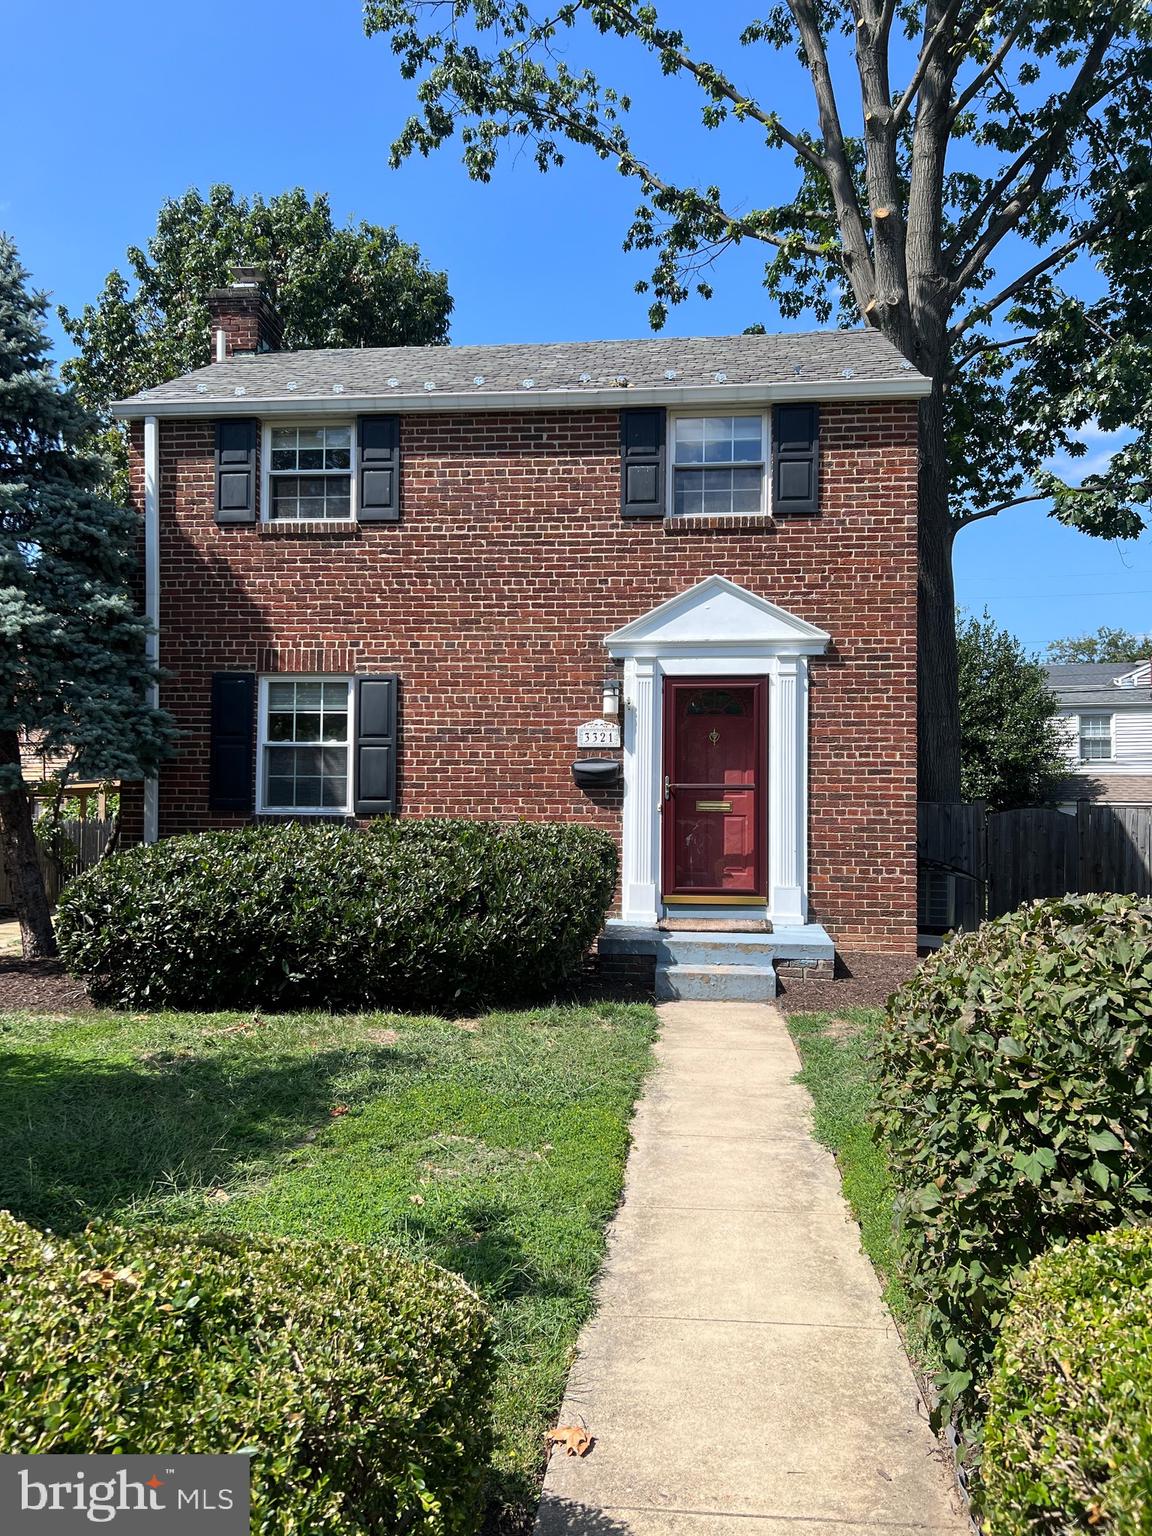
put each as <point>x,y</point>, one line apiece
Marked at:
<point>936,904</point>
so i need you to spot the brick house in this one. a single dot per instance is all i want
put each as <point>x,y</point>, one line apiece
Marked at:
<point>410,581</point>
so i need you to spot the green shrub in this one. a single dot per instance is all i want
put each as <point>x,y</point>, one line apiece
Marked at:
<point>426,914</point>
<point>358,1379</point>
<point>1014,1098</point>
<point>1068,1440</point>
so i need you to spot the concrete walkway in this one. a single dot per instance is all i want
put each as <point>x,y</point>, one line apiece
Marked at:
<point>741,1374</point>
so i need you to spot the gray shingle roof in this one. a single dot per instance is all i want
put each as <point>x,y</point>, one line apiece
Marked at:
<point>1091,685</point>
<point>653,363</point>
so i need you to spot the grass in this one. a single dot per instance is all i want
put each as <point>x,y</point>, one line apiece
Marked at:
<point>494,1146</point>
<point>836,1052</point>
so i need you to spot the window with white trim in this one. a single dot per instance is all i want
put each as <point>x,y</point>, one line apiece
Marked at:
<point>718,465</point>
<point>309,473</point>
<point>305,744</point>
<point>1095,738</point>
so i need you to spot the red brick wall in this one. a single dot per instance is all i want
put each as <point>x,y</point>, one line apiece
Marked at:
<point>490,598</point>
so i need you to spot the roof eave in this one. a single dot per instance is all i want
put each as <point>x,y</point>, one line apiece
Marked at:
<point>912,387</point>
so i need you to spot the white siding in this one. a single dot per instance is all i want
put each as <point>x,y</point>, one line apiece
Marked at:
<point>1132,737</point>
<point>1067,728</point>
<point>1131,741</point>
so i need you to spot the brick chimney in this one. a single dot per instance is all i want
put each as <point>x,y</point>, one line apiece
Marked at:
<point>243,318</point>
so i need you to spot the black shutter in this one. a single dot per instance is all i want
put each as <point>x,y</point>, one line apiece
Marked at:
<point>378,446</point>
<point>236,470</point>
<point>642,453</point>
<point>230,761</point>
<point>375,765</point>
<point>796,460</point>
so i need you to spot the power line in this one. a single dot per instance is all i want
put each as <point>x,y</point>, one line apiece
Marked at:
<point>1040,597</point>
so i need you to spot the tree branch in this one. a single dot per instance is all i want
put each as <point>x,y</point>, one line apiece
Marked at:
<point>718,84</point>
<point>984,309</point>
<point>1044,151</point>
<point>603,142</point>
<point>989,72</point>
<point>989,346</point>
<point>857,255</point>
<point>928,52</point>
<point>961,520</point>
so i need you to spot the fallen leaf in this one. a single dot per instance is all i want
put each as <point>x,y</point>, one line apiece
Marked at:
<point>573,1437</point>
<point>218,1196</point>
<point>108,1278</point>
<point>337,1110</point>
<point>416,1199</point>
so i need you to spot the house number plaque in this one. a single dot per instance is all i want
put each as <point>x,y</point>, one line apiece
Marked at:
<point>598,733</point>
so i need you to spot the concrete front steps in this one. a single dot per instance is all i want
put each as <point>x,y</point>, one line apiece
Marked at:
<point>709,966</point>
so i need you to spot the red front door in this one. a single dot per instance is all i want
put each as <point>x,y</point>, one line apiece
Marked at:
<point>715,775</point>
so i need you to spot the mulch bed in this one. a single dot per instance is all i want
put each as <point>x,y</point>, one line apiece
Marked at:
<point>39,986</point>
<point>861,981</point>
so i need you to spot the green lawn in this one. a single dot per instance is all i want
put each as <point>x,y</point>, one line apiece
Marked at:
<point>836,1052</point>
<point>494,1146</point>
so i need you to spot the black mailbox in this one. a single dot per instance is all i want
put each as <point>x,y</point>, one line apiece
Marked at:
<point>596,772</point>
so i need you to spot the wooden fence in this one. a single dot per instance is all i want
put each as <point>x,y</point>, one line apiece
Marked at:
<point>976,863</point>
<point>88,839</point>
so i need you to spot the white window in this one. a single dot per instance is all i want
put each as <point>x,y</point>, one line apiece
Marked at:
<point>305,742</point>
<point>1095,738</point>
<point>718,465</point>
<point>309,475</point>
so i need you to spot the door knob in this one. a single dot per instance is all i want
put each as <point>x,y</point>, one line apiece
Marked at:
<point>667,787</point>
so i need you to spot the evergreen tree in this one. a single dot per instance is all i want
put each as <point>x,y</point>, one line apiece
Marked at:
<point>1107,644</point>
<point>73,666</point>
<point>1009,750</point>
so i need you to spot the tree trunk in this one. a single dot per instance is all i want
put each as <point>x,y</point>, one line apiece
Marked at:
<point>938,713</point>
<point>19,848</point>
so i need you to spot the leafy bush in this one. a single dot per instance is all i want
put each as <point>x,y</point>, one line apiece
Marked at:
<point>359,1379</point>
<point>1015,1101</point>
<point>430,914</point>
<point>1068,1440</point>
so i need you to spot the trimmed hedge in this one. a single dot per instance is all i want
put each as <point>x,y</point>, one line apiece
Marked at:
<point>1015,1103</point>
<point>1068,1439</point>
<point>360,1380</point>
<point>425,914</point>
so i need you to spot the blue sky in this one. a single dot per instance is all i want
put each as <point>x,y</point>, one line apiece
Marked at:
<point>146,99</point>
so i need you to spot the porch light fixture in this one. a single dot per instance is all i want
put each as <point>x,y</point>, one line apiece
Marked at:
<point>610,703</point>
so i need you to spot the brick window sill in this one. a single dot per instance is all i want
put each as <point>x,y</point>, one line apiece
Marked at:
<point>345,528</point>
<point>745,522</point>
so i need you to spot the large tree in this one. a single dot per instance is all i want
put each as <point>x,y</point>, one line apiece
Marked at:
<point>1107,644</point>
<point>357,285</point>
<point>1010,753</point>
<point>74,673</point>
<point>975,181</point>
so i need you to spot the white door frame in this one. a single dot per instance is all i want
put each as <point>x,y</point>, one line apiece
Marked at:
<point>716,629</point>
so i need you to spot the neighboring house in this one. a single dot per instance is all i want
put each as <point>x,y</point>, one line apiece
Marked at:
<point>41,773</point>
<point>1106,722</point>
<point>397,581</point>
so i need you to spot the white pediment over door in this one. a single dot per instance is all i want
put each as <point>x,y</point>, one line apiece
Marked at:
<point>717,613</point>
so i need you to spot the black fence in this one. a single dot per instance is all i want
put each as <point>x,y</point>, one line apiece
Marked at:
<point>976,863</point>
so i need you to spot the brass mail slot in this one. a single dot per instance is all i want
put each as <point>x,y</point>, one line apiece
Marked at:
<point>713,805</point>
